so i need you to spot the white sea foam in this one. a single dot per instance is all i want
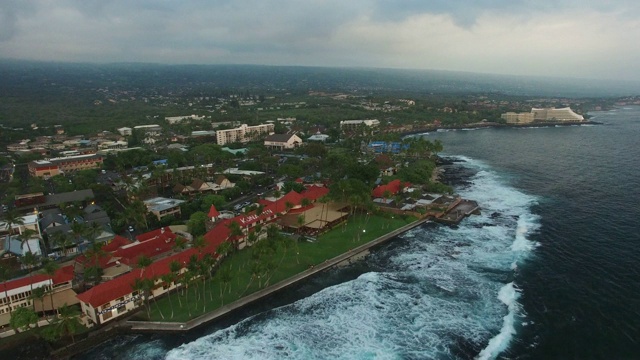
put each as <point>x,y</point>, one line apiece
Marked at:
<point>436,297</point>
<point>509,296</point>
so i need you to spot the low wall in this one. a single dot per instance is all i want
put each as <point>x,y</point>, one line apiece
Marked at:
<point>226,309</point>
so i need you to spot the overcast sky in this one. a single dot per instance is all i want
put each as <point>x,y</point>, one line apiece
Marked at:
<point>568,38</point>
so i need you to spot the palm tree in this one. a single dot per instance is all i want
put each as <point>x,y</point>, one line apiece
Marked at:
<point>168,279</point>
<point>5,275</point>
<point>175,268</point>
<point>78,230</point>
<point>224,249</point>
<point>252,238</point>
<point>50,267</point>
<point>179,244</point>
<point>205,270</point>
<point>68,321</point>
<point>30,261</point>
<point>288,205</point>
<point>235,232</point>
<point>324,200</point>
<point>142,285</point>
<point>93,230</point>
<point>12,217</point>
<point>225,279</point>
<point>142,263</point>
<point>38,294</point>
<point>187,278</point>
<point>61,239</point>
<point>152,285</point>
<point>24,238</point>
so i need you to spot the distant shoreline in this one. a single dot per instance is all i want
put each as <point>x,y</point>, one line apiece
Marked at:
<point>498,125</point>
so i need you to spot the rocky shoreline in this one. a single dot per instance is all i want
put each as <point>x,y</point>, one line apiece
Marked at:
<point>483,125</point>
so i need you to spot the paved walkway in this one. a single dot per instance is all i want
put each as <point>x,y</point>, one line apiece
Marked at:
<point>175,326</point>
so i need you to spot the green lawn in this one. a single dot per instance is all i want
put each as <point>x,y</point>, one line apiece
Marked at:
<point>289,260</point>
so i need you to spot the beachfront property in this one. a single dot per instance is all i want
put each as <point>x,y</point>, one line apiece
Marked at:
<point>243,133</point>
<point>57,166</point>
<point>542,114</point>
<point>353,125</point>
<point>16,293</point>
<point>119,296</point>
<point>517,118</point>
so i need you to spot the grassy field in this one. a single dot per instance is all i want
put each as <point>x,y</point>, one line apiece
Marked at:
<point>290,261</point>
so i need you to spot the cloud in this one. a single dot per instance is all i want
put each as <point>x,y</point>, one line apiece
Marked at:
<point>565,37</point>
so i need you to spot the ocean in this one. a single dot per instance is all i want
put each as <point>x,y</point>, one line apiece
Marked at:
<point>549,270</point>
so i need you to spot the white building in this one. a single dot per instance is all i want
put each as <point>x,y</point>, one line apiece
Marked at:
<point>553,114</point>
<point>177,119</point>
<point>125,131</point>
<point>350,125</point>
<point>282,141</point>
<point>243,133</point>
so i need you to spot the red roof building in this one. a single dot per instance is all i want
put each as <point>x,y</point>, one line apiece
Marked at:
<point>213,212</point>
<point>393,187</point>
<point>111,299</point>
<point>18,291</point>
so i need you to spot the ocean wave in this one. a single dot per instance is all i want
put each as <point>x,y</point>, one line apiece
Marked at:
<point>509,296</point>
<point>437,292</point>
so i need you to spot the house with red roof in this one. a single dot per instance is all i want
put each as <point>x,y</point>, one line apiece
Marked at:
<point>393,187</point>
<point>213,213</point>
<point>16,293</point>
<point>115,298</point>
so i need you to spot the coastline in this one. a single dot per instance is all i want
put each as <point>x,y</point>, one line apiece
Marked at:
<point>126,326</point>
<point>483,125</point>
<point>129,326</point>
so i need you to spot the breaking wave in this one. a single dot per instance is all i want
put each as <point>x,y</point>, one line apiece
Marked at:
<point>436,292</point>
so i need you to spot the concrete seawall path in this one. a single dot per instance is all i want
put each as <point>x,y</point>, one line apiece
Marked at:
<point>156,326</point>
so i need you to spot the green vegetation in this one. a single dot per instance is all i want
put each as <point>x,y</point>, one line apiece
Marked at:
<point>238,274</point>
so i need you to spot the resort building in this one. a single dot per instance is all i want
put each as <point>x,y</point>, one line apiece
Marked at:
<point>352,125</point>
<point>16,293</point>
<point>542,115</point>
<point>112,299</point>
<point>243,133</point>
<point>553,114</point>
<point>120,295</point>
<point>56,166</point>
<point>517,118</point>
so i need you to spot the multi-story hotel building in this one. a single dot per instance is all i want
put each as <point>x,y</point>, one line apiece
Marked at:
<point>351,125</point>
<point>56,166</point>
<point>553,114</point>
<point>16,293</point>
<point>243,133</point>
<point>544,114</point>
<point>517,118</point>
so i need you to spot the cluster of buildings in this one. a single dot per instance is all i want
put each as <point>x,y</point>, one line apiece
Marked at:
<point>116,294</point>
<point>542,115</point>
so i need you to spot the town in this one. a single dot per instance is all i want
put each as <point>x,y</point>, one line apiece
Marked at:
<point>207,208</point>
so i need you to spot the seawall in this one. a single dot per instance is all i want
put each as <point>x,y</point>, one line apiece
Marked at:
<point>340,260</point>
